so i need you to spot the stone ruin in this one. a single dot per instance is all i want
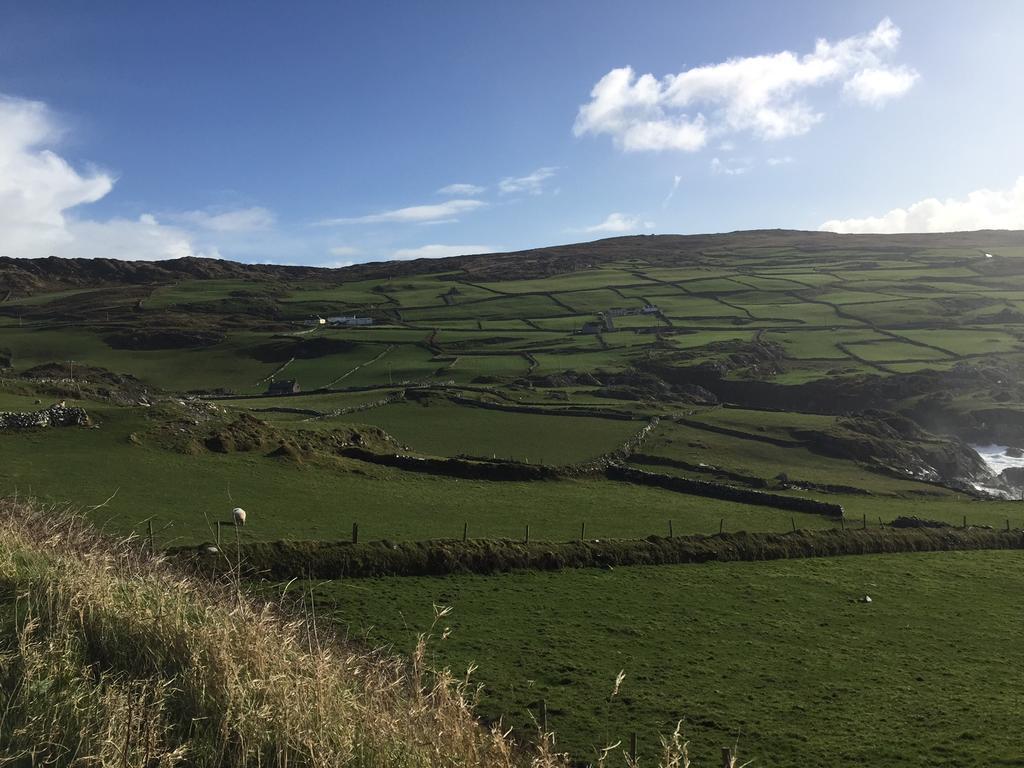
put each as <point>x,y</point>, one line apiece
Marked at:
<point>58,415</point>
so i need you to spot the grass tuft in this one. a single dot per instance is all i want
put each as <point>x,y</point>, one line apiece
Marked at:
<point>112,658</point>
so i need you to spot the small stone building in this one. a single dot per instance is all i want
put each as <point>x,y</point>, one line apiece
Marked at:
<point>284,387</point>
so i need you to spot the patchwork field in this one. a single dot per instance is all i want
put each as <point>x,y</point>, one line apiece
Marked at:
<point>634,386</point>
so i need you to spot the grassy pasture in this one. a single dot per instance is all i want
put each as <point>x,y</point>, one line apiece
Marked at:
<point>889,349</point>
<point>201,291</point>
<point>355,293</point>
<point>967,341</point>
<point>228,365</point>
<point>576,281</point>
<point>531,305</point>
<point>445,429</point>
<point>584,302</point>
<point>758,459</point>
<point>185,493</point>
<point>819,344</point>
<point>779,652</point>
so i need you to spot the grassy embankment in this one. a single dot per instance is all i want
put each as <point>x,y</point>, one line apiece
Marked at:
<point>110,658</point>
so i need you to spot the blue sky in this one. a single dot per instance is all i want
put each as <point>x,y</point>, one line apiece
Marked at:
<point>324,133</point>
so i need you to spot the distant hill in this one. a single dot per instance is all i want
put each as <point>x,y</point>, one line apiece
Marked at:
<point>30,275</point>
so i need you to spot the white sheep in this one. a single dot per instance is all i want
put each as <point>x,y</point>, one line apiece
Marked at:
<point>239,514</point>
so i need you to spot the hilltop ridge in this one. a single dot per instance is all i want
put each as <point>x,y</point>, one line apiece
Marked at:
<point>53,272</point>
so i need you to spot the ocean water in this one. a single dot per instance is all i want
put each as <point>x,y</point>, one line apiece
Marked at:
<point>996,458</point>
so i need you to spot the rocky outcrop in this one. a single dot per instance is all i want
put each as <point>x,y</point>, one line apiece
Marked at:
<point>54,416</point>
<point>892,442</point>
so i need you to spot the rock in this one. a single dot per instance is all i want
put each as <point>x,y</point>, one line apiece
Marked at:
<point>865,599</point>
<point>1013,476</point>
<point>1014,453</point>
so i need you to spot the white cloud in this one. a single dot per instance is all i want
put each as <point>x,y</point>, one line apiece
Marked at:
<point>981,209</point>
<point>415,214</point>
<point>39,189</point>
<point>440,251</point>
<point>142,238</point>
<point>756,94</point>
<point>876,86</point>
<point>784,160</point>
<point>729,167</point>
<point>532,184</point>
<point>619,223</point>
<point>239,220</point>
<point>462,190</point>
<point>343,250</point>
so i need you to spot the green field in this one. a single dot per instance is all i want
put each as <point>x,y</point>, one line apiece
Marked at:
<point>779,657</point>
<point>855,372</point>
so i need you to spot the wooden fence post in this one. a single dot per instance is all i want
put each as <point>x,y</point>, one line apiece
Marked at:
<point>527,533</point>
<point>721,525</point>
<point>792,521</point>
<point>670,529</point>
<point>218,534</point>
<point>632,748</point>
<point>965,521</point>
<point>465,531</point>
<point>151,549</point>
<point>544,717</point>
<point>865,521</point>
<point>727,761</point>
<point>355,533</point>
<point>842,522</point>
<point>583,530</point>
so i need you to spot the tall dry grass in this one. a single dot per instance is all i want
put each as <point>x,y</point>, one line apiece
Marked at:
<point>112,658</point>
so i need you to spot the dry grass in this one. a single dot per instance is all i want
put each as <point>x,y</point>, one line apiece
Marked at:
<point>111,658</point>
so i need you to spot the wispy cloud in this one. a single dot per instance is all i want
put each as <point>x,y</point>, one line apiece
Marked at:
<point>343,250</point>
<point>981,209</point>
<point>532,183</point>
<point>619,223</point>
<point>415,214</point>
<point>729,167</point>
<point>672,191</point>
<point>462,190</point>
<point>762,95</point>
<point>437,251</point>
<point>784,160</point>
<point>238,220</point>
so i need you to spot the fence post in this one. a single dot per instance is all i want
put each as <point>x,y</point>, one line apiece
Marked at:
<point>544,717</point>
<point>218,534</point>
<point>670,529</point>
<point>880,523</point>
<point>151,549</point>
<point>842,522</point>
<point>632,748</point>
<point>527,533</point>
<point>727,758</point>
<point>583,530</point>
<point>792,521</point>
<point>465,531</point>
<point>355,533</point>
<point>865,521</point>
<point>965,521</point>
<point>1007,523</point>
<point>721,524</point>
